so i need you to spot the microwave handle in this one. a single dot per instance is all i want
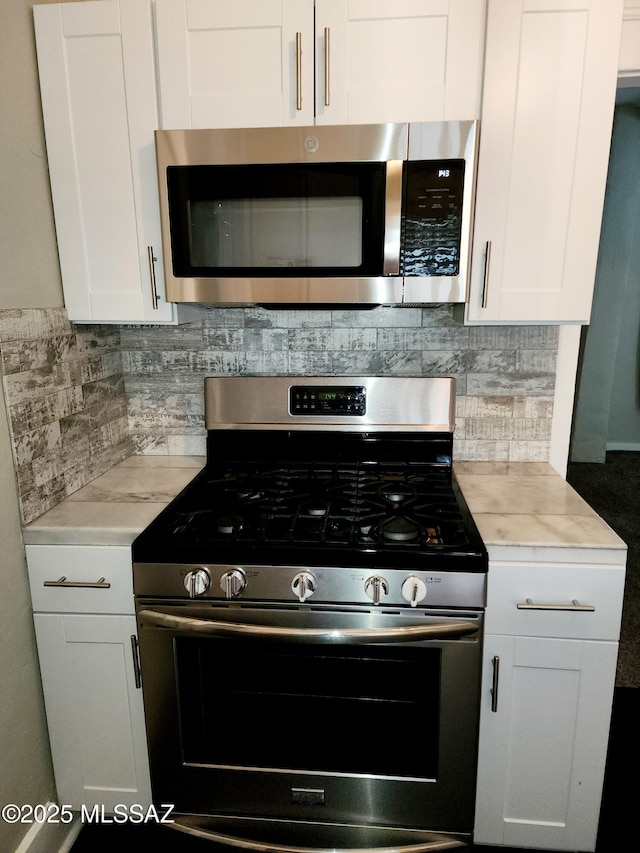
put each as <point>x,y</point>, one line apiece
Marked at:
<point>392,218</point>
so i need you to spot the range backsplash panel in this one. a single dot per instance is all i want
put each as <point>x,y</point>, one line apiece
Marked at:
<point>505,374</point>
<point>82,398</point>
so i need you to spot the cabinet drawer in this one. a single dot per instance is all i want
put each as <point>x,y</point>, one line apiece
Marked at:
<point>527,599</point>
<point>106,571</point>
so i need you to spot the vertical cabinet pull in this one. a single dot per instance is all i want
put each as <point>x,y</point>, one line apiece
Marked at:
<point>135,651</point>
<point>298,71</point>
<point>327,66</point>
<point>485,283</point>
<point>494,683</point>
<point>152,277</point>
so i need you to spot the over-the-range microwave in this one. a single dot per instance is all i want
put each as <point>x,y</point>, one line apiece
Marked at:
<point>357,215</point>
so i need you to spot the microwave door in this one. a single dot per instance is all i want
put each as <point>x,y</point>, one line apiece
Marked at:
<point>282,220</point>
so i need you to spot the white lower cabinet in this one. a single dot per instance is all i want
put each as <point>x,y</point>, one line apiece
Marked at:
<point>547,691</point>
<point>87,646</point>
<point>550,650</point>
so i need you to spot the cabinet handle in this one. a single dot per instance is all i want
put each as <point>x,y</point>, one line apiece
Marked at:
<point>152,277</point>
<point>298,71</point>
<point>99,584</point>
<point>494,683</point>
<point>135,651</point>
<point>485,282</point>
<point>327,58</point>
<point>573,607</point>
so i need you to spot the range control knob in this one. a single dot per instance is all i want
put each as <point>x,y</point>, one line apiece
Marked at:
<point>197,582</point>
<point>303,585</point>
<point>376,588</point>
<point>233,582</point>
<point>414,590</point>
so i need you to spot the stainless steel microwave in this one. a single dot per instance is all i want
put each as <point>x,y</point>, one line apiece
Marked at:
<point>358,215</point>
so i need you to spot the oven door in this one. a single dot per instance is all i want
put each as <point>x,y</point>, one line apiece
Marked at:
<point>330,715</point>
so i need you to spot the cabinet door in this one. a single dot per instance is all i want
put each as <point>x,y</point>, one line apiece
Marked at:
<point>548,98</point>
<point>629,62</point>
<point>543,749</point>
<point>94,710</point>
<point>97,82</point>
<point>406,60</point>
<point>248,63</point>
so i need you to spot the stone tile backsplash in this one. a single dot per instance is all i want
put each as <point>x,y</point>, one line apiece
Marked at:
<point>505,374</point>
<point>81,398</point>
<point>65,401</point>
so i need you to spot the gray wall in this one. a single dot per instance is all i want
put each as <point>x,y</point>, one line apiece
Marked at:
<point>29,276</point>
<point>607,413</point>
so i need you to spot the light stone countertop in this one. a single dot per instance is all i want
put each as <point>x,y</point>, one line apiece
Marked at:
<point>524,511</point>
<point>115,507</point>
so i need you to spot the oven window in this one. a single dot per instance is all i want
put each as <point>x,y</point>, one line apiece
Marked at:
<point>277,220</point>
<point>362,709</point>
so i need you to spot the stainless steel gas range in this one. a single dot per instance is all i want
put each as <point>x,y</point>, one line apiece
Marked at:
<point>310,614</point>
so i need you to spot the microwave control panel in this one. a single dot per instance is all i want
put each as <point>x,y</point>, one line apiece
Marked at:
<point>327,400</point>
<point>432,217</point>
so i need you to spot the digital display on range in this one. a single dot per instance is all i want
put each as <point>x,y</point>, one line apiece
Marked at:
<point>317,400</point>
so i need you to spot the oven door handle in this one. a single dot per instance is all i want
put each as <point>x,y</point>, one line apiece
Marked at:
<point>190,826</point>
<point>347,636</point>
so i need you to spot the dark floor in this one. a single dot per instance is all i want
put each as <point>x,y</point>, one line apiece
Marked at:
<point>613,489</point>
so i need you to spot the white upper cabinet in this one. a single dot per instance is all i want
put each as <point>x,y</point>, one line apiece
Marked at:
<point>97,79</point>
<point>248,63</point>
<point>548,97</point>
<point>629,63</point>
<point>407,60</point>
<point>257,63</point>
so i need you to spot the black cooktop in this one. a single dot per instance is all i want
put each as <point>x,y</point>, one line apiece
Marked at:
<point>348,501</point>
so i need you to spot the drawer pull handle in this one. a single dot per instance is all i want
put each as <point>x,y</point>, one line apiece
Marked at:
<point>99,584</point>
<point>575,606</point>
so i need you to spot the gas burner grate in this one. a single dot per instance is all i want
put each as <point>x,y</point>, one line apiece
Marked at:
<point>366,504</point>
